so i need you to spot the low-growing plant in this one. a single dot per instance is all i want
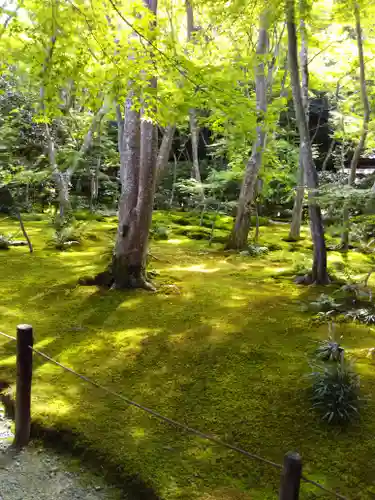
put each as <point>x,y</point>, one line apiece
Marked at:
<point>363,315</point>
<point>324,303</point>
<point>330,350</point>
<point>255,250</point>
<point>302,267</point>
<point>4,242</point>
<point>336,392</point>
<point>160,233</point>
<point>68,235</point>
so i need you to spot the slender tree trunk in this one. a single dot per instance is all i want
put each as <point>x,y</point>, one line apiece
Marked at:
<point>194,133</point>
<point>240,231</point>
<point>24,232</point>
<point>9,201</point>
<point>174,180</point>
<point>328,155</point>
<point>95,183</point>
<point>164,152</point>
<point>138,165</point>
<point>194,129</point>
<point>366,118</point>
<point>319,273</point>
<point>295,227</point>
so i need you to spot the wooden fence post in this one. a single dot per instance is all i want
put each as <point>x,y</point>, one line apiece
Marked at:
<point>291,477</point>
<point>23,385</point>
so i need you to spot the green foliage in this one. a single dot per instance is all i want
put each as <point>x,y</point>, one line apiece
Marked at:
<point>336,392</point>
<point>254,250</point>
<point>324,303</point>
<point>362,315</point>
<point>67,232</point>
<point>4,242</point>
<point>329,350</point>
<point>159,233</point>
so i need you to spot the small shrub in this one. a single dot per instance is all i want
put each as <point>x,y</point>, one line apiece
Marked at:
<point>329,350</point>
<point>255,251</point>
<point>160,233</point>
<point>4,242</point>
<point>68,235</point>
<point>335,392</point>
<point>364,315</point>
<point>302,267</point>
<point>324,303</point>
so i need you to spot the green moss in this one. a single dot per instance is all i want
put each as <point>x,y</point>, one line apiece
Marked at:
<point>223,351</point>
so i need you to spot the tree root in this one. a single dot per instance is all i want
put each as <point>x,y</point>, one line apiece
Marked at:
<point>105,279</point>
<point>308,280</point>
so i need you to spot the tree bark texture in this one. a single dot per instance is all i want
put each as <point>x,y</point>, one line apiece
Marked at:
<point>295,227</point>
<point>240,231</point>
<point>138,173</point>
<point>319,273</point>
<point>366,118</point>
<point>164,152</point>
<point>194,129</point>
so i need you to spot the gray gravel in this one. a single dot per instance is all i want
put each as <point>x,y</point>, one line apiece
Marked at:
<point>38,474</point>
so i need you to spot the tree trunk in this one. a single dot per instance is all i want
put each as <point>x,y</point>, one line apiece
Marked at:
<point>164,152</point>
<point>319,273</point>
<point>194,133</point>
<point>194,129</point>
<point>94,187</point>
<point>364,131</point>
<point>295,227</point>
<point>240,231</point>
<point>24,232</point>
<point>9,201</point>
<point>139,147</point>
<point>328,155</point>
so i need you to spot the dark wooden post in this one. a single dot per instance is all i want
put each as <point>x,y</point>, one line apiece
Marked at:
<point>23,385</point>
<point>291,477</point>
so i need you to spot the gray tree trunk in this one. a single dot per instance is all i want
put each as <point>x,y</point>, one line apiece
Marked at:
<point>240,231</point>
<point>319,273</point>
<point>164,152</point>
<point>295,227</point>
<point>138,169</point>
<point>366,118</point>
<point>194,129</point>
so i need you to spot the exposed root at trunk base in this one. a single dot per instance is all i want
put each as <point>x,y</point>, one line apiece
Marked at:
<point>135,283</point>
<point>308,280</point>
<point>106,279</point>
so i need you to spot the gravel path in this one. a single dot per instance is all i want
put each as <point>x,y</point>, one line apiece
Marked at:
<point>38,474</point>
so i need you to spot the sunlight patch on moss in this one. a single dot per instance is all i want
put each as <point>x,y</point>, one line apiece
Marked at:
<point>9,361</point>
<point>199,268</point>
<point>130,303</point>
<point>138,434</point>
<point>227,354</point>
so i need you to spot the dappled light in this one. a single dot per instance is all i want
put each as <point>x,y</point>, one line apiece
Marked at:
<point>187,199</point>
<point>226,355</point>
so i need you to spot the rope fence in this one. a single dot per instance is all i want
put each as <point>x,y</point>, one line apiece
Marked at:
<point>291,470</point>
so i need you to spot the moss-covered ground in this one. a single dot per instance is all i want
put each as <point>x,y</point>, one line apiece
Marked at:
<point>224,349</point>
